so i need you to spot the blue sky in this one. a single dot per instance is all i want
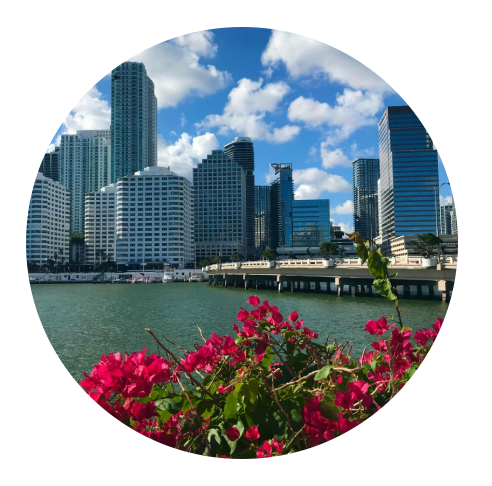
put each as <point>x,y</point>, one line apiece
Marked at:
<point>301,101</point>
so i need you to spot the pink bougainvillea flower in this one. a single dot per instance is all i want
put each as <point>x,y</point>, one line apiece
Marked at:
<point>422,337</point>
<point>252,434</point>
<point>254,301</point>
<point>437,325</point>
<point>232,434</point>
<point>377,327</point>
<point>278,447</point>
<point>264,451</point>
<point>242,315</point>
<point>299,324</point>
<point>293,317</point>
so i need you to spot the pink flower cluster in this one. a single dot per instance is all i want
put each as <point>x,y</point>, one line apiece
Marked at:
<point>208,355</point>
<point>319,428</point>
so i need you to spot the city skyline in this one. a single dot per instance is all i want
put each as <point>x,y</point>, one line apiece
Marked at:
<point>301,101</point>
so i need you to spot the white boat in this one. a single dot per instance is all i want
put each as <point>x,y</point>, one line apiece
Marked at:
<point>168,277</point>
<point>196,278</point>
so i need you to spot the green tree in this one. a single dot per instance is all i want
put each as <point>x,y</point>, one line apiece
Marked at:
<point>236,257</point>
<point>327,249</point>
<point>270,253</point>
<point>205,262</point>
<point>426,244</point>
<point>292,256</point>
<point>341,252</point>
<point>308,253</point>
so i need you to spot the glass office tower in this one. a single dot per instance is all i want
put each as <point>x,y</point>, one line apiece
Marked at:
<point>282,197</point>
<point>262,218</point>
<point>365,184</point>
<point>50,166</point>
<point>219,186</point>
<point>311,222</point>
<point>241,151</point>
<point>408,174</point>
<point>133,120</point>
<point>446,212</point>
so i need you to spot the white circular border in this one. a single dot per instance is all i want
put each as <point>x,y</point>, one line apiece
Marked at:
<point>86,80</point>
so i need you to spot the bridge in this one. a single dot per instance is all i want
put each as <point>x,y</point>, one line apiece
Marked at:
<point>318,275</point>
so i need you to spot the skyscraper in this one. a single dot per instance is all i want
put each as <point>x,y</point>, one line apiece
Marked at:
<point>219,186</point>
<point>365,182</point>
<point>154,218</point>
<point>85,166</point>
<point>408,172</point>
<point>50,166</point>
<point>262,218</point>
<point>446,212</point>
<point>282,197</point>
<point>48,227</point>
<point>311,222</point>
<point>241,151</point>
<point>133,120</point>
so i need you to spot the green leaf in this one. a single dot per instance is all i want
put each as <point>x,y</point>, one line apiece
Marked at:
<point>164,416</point>
<point>168,404</point>
<point>377,264</point>
<point>323,373</point>
<point>328,408</point>
<point>230,409</point>
<point>374,363</point>
<point>157,393</point>
<point>393,276</point>
<point>383,287</point>
<point>361,250</point>
<point>205,408</point>
<point>240,426</point>
<point>215,434</point>
<point>250,390</point>
<point>331,348</point>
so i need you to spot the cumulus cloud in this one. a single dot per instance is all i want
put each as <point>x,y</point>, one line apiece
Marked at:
<point>358,153</point>
<point>186,152</point>
<point>92,112</point>
<point>303,56</point>
<point>244,113</point>
<point>351,111</point>
<point>176,71</point>
<point>345,208</point>
<point>313,181</point>
<point>332,158</point>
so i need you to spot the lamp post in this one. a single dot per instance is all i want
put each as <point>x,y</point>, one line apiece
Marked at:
<point>436,192</point>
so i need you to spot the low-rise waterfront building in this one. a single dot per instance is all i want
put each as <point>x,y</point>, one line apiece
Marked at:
<point>48,222</point>
<point>400,247</point>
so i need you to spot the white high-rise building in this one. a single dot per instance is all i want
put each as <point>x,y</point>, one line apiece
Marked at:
<point>100,221</point>
<point>48,221</point>
<point>85,166</point>
<point>154,218</point>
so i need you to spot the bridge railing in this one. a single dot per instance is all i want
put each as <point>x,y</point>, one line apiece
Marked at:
<point>414,261</point>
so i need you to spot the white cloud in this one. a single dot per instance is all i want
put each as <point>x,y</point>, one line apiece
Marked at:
<point>186,152</point>
<point>201,43</point>
<point>90,113</point>
<point>244,113</point>
<point>182,119</point>
<point>346,208</point>
<point>345,227</point>
<point>172,133</point>
<point>332,158</point>
<point>313,181</point>
<point>358,153</point>
<point>352,110</point>
<point>176,71</point>
<point>303,56</point>
<point>445,200</point>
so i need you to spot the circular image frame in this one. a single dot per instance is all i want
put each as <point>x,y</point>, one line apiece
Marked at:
<point>82,84</point>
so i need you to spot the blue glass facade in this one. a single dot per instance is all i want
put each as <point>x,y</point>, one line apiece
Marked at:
<point>408,175</point>
<point>282,197</point>
<point>311,222</point>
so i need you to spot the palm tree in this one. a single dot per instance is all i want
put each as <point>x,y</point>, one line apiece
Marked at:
<point>308,253</point>
<point>236,257</point>
<point>341,252</point>
<point>426,244</point>
<point>327,249</point>
<point>292,256</point>
<point>270,253</point>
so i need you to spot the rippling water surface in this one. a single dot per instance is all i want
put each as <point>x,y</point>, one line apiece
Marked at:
<point>85,321</point>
